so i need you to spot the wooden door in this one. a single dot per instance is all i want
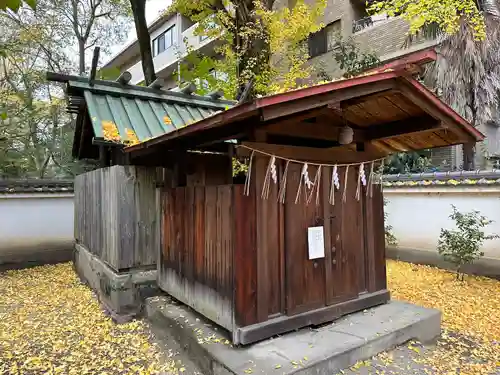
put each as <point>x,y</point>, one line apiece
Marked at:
<point>341,275</point>
<point>305,279</point>
<point>344,241</point>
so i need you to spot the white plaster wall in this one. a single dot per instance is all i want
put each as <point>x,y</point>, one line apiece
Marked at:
<point>35,222</point>
<point>417,214</point>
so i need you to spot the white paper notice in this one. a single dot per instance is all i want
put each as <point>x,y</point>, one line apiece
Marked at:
<point>316,242</point>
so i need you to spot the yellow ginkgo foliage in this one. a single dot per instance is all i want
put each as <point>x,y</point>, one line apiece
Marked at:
<point>110,131</point>
<point>446,14</point>
<point>167,120</point>
<point>51,323</point>
<point>132,138</point>
<point>470,316</point>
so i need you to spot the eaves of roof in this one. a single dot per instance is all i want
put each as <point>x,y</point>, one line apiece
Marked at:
<point>287,100</point>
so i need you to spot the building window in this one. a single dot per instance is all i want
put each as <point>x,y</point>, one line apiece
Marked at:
<point>317,43</point>
<point>324,40</point>
<point>211,25</point>
<point>219,76</point>
<point>202,83</point>
<point>164,41</point>
<point>333,34</point>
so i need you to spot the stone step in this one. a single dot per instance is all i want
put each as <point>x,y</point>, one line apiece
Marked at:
<point>320,351</point>
<point>171,348</point>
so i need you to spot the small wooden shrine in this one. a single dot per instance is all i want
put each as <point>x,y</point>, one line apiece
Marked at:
<point>300,241</point>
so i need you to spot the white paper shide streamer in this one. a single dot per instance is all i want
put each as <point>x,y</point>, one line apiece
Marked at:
<point>274,174</point>
<point>271,174</point>
<point>304,181</point>
<point>362,174</point>
<point>312,187</point>
<point>334,184</point>
<point>361,180</point>
<point>305,175</point>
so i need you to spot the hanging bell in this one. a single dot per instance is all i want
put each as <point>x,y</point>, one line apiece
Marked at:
<point>346,135</point>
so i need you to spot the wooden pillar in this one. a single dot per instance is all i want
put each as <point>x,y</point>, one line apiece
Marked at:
<point>260,165</point>
<point>103,156</point>
<point>230,152</point>
<point>468,156</point>
<point>375,241</point>
<point>270,266</point>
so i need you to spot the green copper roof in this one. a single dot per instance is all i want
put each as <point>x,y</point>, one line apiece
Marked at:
<point>147,118</point>
<point>146,111</point>
<point>149,113</point>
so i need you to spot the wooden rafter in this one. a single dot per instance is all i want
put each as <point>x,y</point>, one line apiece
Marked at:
<point>342,154</point>
<point>407,126</point>
<point>315,101</point>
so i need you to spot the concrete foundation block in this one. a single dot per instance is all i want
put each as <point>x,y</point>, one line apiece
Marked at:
<point>121,293</point>
<point>323,350</point>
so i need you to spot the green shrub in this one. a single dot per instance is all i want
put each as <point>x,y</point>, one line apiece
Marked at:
<point>390,238</point>
<point>462,246</point>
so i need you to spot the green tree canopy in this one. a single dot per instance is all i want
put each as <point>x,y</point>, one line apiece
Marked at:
<point>466,74</point>
<point>14,5</point>
<point>35,130</point>
<point>259,43</point>
<point>447,15</point>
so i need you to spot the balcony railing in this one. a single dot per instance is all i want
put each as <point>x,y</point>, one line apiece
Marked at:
<point>361,24</point>
<point>366,22</point>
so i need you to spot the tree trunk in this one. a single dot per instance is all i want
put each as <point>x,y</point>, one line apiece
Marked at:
<point>141,27</point>
<point>81,57</point>
<point>254,47</point>
<point>469,148</point>
<point>251,64</point>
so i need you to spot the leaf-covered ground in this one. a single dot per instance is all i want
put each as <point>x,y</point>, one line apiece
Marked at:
<point>470,340</point>
<point>51,324</point>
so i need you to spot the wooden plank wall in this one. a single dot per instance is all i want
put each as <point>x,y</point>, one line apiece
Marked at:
<point>245,258</point>
<point>89,226</point>
<point>196,265</point>
<point>268,245</point>
<point>348,239</point>
<point>305,283</point>
<point>376,277</point>
<point>241,260</point>
<point>116,215</point>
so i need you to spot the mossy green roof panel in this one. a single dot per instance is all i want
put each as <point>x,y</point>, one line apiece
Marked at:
<point>148,112</point>
<point>147,118</point>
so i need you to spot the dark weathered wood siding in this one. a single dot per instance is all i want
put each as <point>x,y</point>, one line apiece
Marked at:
<point>242,260</point>
<point>116,214</point>
<point>196,264</point>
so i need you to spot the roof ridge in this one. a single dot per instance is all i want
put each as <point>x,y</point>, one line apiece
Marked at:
<point>79,83</point>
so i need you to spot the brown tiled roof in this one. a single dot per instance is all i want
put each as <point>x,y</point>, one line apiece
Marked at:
<point>443,178</point>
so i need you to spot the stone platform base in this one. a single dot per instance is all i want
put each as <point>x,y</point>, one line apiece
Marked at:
<point>122,294</point>
<point>321,350</point>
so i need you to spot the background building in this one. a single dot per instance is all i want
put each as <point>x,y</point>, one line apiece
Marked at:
<point>382,35</point>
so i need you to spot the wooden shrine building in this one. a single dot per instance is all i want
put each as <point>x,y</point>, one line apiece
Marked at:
<point>301,240</point>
